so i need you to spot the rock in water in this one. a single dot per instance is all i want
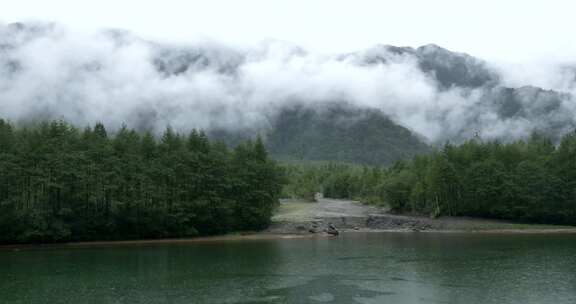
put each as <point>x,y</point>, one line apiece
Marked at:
<point>332,230</point>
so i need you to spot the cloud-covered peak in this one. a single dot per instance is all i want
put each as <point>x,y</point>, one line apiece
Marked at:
<point>116,77</point>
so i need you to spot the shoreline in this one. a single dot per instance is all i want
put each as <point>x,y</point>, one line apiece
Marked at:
<point>346,215</point>
<point>259,236</point>
<point>306,220</point>
<point>202,239</point>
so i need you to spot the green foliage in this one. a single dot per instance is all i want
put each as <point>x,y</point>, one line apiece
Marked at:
<point>531,181</point>
<point>335,180</point>
<point>61,184</point>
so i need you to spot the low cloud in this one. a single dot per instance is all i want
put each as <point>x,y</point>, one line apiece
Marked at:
<point>49,72</point>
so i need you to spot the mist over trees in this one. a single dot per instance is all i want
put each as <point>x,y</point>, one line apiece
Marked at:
<point>528,181</point>
<point>50,72</point>
<point>59,183</point>
<point>343,133</point>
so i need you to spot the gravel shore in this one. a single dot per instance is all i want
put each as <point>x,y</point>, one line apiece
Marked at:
<point>297,217</point>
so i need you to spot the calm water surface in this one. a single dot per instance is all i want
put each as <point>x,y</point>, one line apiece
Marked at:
<point>353,268</point>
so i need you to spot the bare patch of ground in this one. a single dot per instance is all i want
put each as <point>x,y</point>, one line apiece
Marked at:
<point>299,217</point>
<point>299,211</point>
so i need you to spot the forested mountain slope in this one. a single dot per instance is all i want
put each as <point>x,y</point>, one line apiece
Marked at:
<point>397,99</point>
<point>343,133</point>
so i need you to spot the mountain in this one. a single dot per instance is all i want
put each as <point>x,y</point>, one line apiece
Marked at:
<point>371,106</point>
<point>336,131</point>
<point>341,132</point>
<point>449,69</point>
<point>494,110</point>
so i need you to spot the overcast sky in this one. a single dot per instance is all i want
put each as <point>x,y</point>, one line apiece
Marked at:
<point>510,30</point>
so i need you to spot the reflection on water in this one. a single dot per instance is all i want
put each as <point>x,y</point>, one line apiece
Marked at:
<point>354,268</point>
<point>325,289</point>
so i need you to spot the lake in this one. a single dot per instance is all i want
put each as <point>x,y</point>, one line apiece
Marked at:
<point>352,268</point>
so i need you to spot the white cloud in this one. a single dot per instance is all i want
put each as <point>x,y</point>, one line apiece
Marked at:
<point>100,77</point>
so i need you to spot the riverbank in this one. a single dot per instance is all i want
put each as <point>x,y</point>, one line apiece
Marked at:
<point>298,217</point>
<point>205,239</point>
<point>255,236</point>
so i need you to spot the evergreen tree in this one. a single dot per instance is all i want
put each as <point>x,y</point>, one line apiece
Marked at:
<point>61,184</point>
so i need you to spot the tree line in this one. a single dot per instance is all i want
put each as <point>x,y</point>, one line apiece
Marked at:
<point>531,180</point>
<point>60,183</point>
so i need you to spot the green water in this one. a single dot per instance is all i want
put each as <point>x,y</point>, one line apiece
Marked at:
<point>353,268</point>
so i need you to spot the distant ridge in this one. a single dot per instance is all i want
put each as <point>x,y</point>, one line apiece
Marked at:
<point>297,123</point>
